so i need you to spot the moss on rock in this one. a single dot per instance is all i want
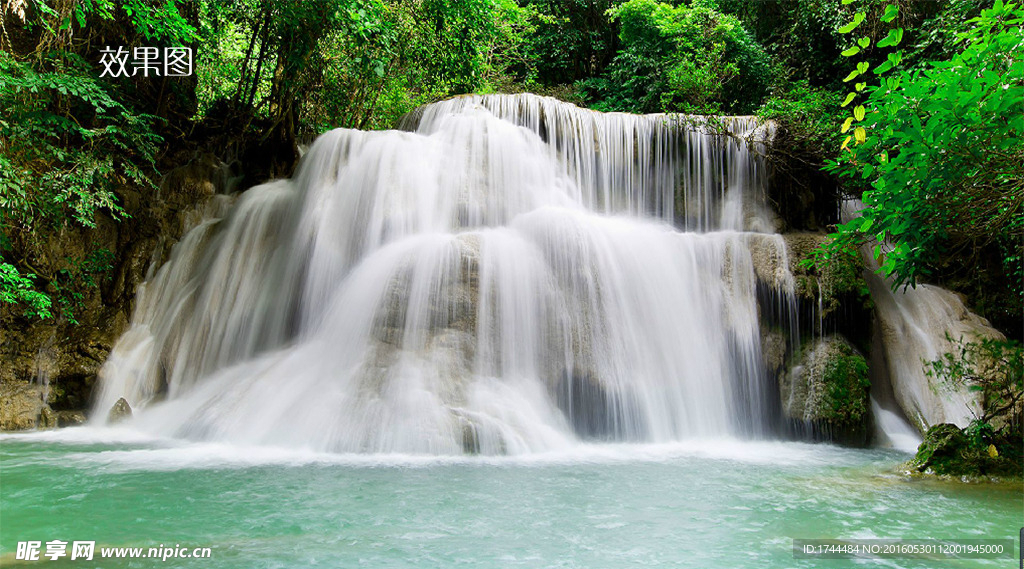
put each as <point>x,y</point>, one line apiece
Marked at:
<point>826,390</point>
<point>949,450</point>
<point>838,280</point>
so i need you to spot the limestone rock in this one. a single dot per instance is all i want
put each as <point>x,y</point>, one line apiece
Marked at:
<point>70,355</point>
<point>827,389</point>
<point>22,407</point>
<point>915,325</point>
<point>119,412</point>
<point>771,259</point>
<point>70,418</point>
<point>774,345</point>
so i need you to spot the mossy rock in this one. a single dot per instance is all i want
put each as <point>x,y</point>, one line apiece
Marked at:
<point>832,294</point>
<point>838,281</point>
<point>827,389</point>
<point>941,451</point>
<point>947,450</point>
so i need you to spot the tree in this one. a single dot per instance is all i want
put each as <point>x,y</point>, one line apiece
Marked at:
<point>68,138</point>
<point>938,150</point>
<point>688,58</point>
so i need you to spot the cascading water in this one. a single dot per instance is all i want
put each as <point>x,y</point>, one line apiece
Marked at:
<point>915,326</point>
<point>506,277</point>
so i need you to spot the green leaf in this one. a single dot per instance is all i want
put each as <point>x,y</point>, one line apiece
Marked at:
<point>851,51</point>
<point>890,13</point>
<point>860,134</point>
<point>857,19</point>
<point>846,124</point>
<point>848,100</point>
<point>859,112</point>
<point>864,42</point>
<point>894,38</point>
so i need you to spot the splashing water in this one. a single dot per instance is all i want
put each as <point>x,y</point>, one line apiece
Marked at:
<point>508,275</point>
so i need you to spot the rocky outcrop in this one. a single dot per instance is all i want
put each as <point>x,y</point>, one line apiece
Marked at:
<point>119,412</point>
<point>949,450</point>
<point>774,348</point>
<point>832,294</point>
<point>915,326</point>
<point>68,355</point>
<point>825,392</point>
<point>22,407</point>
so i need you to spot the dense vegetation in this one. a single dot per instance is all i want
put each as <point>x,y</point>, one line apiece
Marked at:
<point>916,108</point>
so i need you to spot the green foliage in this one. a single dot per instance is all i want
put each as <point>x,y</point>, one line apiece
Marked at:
<point>67,144</point>
<point>355,63</point>
<point>992,367</point>
<point>689,58</point>
<point>979,434</point>
<point>68,139</point>
<point>152,20</point>
<point>801,35</point>
<point>837,276</point>
<point>974,451</point>
<point>19,290</point>
<point>806,120</point>
<point>571,40</point>
<point>937,38</point>
<point>83,275</point>
<point>939,150</point>
<point>801,105</point>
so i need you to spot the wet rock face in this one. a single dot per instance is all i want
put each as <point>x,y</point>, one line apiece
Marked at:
<point>70,418</point>
<point>593,411</point>
<point>67,355</point>
<point>22,407</point>
<point>825,392</point>
<point>119,412</point>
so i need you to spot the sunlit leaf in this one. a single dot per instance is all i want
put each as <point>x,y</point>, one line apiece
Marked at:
<point>890,13</point>
<point>857,19</point>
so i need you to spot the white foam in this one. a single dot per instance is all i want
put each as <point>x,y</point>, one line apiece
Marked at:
<point>161,454</point>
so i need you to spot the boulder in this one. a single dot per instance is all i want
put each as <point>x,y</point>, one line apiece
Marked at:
<point>70,418</point>
<point>941,451</point>
<point>22,407</point>
<point>825,391</point>
<point>916,325</point>
<point>949,450</point>
<point>119,412</point>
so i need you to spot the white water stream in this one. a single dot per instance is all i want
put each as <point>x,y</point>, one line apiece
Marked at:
<point>505,278</point>
<point>509,274</point>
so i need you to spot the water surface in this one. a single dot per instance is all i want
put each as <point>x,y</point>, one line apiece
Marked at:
<point>700,504</point>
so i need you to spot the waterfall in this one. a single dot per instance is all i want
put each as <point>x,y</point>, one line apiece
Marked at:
<point>506,274</point>
<point>914,326</point>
